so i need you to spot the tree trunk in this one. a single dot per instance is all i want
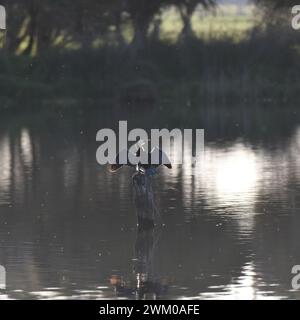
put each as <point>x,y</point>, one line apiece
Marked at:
<point>156,30</point>
<point>187,31</point>
<point>44,37</point>
<point>31,35</point>
<point>140,35</point>
<point>32,29</point>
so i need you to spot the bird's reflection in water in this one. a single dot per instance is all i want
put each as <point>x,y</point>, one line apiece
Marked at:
<point>147,211</point>
<point>146,282</point>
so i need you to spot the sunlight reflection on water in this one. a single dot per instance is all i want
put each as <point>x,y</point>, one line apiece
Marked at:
<point>68,231</point>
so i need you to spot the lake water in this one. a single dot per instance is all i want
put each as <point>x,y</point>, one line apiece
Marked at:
<point>231,226</point>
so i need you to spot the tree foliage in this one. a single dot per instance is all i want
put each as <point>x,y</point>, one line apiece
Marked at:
<point>36,26</point>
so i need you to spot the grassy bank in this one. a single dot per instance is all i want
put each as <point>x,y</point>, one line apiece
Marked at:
<point>261,69</point>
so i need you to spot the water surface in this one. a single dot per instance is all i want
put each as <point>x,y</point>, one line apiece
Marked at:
<point>231,226</point>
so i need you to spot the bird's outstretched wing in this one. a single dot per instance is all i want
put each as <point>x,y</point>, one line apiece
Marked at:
<point>156,153</point>
<point>162,157</point>
<point>117,165</point>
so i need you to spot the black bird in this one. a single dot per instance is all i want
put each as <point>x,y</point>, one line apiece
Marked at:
<point>148,168</point>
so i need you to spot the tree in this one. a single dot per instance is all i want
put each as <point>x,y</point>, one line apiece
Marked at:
<point>38,25</point>
<point>186,9</point>
<point>275,11</point>
<point>141,13</point>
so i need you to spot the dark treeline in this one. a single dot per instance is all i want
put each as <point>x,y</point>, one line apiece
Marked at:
<point>52,23</point>
<point>50,56</point>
